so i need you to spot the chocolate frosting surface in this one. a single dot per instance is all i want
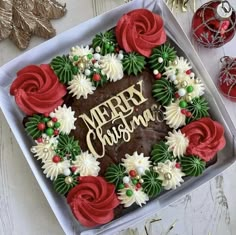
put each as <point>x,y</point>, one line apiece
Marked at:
<point>142,138</point>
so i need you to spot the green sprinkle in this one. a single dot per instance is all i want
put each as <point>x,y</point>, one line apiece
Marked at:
<point>89,56</point>
<point>75,70</point>
<point>189,89</point>
<point>129,192</point>
<point>121,186</point>
<point>183,104</point>
<point>57,124</point>
<point>49,131</point>
<point>45,119</point>
<point>75,58</point>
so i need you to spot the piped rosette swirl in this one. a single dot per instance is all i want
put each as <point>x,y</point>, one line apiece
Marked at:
<point>140,31</point>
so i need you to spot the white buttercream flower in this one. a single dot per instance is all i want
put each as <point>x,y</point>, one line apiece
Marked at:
<point>180,65</point>
<point>133,162</point>
<point>80,51</point>
<point>177,143</point>
<point>198,87</point>
<point>183,78</point>
<point>53,169</point>
<point>138,197</point>
<point>46,149</point>
<point>169,174</point>
<point>112,67</point>
<point>173,115</point>
<point>65,116</point>
<point>86,164</point>
<point>81,86</point>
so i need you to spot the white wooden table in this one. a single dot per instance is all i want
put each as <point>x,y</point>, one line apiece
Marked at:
<point>210,210</point>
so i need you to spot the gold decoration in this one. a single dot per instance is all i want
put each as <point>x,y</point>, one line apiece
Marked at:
<point>181,4</point>
<point>141,181</point>
<point>175,62</point>
<point>188,98</point>
<point>168,176</point>
<point>82,63</point>
<point>50,124</point>
<point>69,180</point>
<point>184,84</point>
<point>21,19</point>
<point>126,101</point>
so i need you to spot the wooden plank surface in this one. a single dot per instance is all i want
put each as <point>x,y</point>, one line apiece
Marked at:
<point>210,210</point>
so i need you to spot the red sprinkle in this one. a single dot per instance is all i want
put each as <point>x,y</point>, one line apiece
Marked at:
<point>41,126</point>
<point>184,111</point>
<point>56,132</point>
<point>54,119</point>
<point>94,61</point>
<point>177,95</point>
<point>46,114</point>
<point>158,76</point>
<point>138,185</point>
<point>188,72</point>
<point>132,173</point>
<point>177,165</point>
<point>73,168</point>
<point>96,77</point>
<point>40,140</point>
<point>188,114</point>
<point>56,159</point>
<point>127,185</point>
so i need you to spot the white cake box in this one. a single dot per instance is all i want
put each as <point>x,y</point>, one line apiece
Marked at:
<point>82,35</point>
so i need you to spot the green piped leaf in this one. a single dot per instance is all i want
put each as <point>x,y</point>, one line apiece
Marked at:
<point>163,91</point>
<point>133,63</point>
<point>166,52</point>
<point>151,185</point>
<point>192,165</point>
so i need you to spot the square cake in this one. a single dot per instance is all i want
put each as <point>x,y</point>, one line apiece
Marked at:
<point>119,121</point>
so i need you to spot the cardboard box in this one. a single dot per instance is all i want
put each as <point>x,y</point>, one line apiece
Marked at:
<point>82,35</point>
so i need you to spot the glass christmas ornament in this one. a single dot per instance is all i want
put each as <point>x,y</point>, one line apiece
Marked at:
<point>227,78</point>
<point>214,24</point>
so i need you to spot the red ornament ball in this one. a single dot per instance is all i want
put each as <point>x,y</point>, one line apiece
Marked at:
<point>227,79</point>
<point>214,24</point>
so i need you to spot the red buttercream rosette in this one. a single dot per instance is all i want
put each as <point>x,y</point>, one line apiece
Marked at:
<point>37,89</point>
<point>206,138</point>
<point>140,31</point>
<point>93,201</point>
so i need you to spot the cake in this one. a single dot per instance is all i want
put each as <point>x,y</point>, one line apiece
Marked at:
<point>119,121</point>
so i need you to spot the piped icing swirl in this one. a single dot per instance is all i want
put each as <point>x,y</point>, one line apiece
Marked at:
<point>37,89</point>
<point>140,30</point>
<point>206,138</point>
<point>112,67</point>
<point>93,201</point>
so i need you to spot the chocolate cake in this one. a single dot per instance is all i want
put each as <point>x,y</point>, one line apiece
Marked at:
<point>119,121</point>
